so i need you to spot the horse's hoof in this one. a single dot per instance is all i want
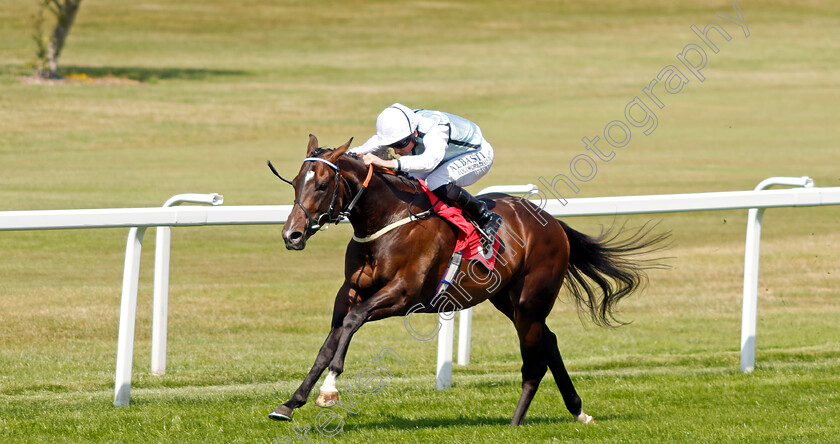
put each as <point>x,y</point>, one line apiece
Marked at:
<point>586,419</point>
<point>281,413</point>
<point>327,399</point>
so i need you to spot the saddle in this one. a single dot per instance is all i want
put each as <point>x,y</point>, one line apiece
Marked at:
<point>469,241</point>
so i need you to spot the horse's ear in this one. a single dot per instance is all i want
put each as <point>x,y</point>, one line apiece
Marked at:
<point>341,150</point>
<point>313,145</point>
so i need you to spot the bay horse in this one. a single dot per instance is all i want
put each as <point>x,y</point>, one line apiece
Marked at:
<point>397,273</point>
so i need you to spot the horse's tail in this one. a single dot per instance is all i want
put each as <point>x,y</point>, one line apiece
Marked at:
<point>611,263</point>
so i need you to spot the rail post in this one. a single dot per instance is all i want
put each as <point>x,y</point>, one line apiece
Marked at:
<point>128,315</point>
<point>163,242</point>
<point>443,379</point>
<point>749,309</point>
<point>128,300</point>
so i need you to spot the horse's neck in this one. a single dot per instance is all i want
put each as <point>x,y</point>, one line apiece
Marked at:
<point>386,200</point>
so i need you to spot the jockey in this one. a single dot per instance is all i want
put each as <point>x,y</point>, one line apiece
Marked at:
<point>445,150</point>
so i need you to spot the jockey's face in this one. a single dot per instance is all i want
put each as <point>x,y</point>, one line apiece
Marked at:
<point>406,149</point>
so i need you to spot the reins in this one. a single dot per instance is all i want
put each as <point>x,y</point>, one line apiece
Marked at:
<point>361,191</point>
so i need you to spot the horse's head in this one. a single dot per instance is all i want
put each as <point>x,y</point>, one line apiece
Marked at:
<point>318,194</point>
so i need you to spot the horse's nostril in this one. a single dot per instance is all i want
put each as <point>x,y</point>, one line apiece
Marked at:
<point>295,236</point>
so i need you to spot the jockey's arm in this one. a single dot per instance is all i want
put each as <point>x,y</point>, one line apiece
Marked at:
<point>373,153</point>
<point>435,142</point>
<point>379,162</point>
<point>369,147</point>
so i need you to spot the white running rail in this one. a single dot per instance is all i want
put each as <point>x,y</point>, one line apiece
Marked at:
<point>138,219</point>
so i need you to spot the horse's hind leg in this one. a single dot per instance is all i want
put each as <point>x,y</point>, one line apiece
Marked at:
<point>539,352</point>
<point>534,365</point>
<point>530,333</point>
<point>561,377</point>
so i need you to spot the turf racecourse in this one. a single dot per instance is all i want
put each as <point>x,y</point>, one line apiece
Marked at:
<point>165,98</point>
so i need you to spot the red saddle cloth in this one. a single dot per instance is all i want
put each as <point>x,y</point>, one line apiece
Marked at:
<point>469,238</point>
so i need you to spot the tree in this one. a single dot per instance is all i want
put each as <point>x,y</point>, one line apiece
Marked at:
<point>49,48</point>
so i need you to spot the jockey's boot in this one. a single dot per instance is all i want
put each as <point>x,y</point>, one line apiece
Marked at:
<point>488,222</point>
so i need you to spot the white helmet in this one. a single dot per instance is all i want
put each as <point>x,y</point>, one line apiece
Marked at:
<point>395,123</point>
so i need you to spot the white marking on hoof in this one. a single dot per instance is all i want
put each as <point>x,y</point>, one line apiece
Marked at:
<point>329,383</point>
<point>586,419</point>
<point>327,399</point>
<point>329,393</point>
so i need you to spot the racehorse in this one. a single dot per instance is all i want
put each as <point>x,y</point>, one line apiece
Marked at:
<point>397,273</point>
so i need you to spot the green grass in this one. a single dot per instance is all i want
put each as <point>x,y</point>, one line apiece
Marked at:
<point>194,96</point>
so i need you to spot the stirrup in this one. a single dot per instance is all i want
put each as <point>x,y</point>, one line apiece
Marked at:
<point>489,229</point>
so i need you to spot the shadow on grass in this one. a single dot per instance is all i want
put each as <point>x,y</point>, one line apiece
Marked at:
<point>393,421</point>
<point>402,423</point>
<point>141,74</point>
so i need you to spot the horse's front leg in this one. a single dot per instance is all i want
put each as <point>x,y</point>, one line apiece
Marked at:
<point>325,355</point>
<point>390,301</point>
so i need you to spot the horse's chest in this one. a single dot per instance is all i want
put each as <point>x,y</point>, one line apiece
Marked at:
<point>362,277</point>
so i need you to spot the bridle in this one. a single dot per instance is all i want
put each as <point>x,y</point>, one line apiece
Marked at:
<point>314,225</point>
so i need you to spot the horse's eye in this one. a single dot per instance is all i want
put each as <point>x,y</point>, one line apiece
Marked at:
<point>321,186</point>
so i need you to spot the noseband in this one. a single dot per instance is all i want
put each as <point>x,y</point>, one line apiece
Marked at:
<point>313,224</point>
